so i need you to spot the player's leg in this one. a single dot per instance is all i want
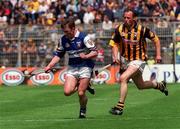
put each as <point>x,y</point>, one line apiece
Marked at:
<point>126,75</point>
<point>84,79</point>
<point>83,84</point>
<point>71,80</point>
<point>70,85</point>
<point>90,88</point>
<point>141,84</point>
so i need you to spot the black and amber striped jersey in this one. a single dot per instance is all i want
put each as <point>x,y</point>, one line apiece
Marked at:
<point>132,42</point>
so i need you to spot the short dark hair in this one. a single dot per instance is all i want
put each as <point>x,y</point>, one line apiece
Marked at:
<point>69,22</point>
<point>131,10</point>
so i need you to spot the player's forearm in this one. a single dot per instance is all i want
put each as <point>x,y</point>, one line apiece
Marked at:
<point>92,54</point>
<point>53,61</point>
<point>115,52</point>
<point>158,49</point>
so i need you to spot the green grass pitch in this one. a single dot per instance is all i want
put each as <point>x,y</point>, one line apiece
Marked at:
<point>46,107</point>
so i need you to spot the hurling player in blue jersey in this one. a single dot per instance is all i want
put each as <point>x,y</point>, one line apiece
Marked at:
<point>81,49</point>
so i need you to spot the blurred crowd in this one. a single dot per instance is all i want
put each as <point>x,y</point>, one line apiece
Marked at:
<point>42,17</point>
<point>50,12</point>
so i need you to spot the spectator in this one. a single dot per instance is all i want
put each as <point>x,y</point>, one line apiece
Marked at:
<point>81,13</point>
<point>71,6</point>
<point>100,55</point>
<point>33,7</point>
<point>177,11</point>
<point>19,16</point>
<point>151,4</point>
<point>91,33</point>
<point>54,34</point>
<point>8,10</point>
<point>110,4</point>
<point>10,53</point>
<point>42,54</point>
<point>50,18</point>
<point>118,10</point>
<point>49,52</point>
<point>88,16</point>
<point>2,45</point>
<point>43,8</point>
<point>139,8</point>
<point>6,53</point>
<point>158,12</point>
<point>162,23</point>
<point>95,4</point>
<point>107,23</point>
<point>109,12</point>
<point>24,54</point>
<point>32,52</point>
<point>71,14</point>
<point>115,23</point>
<point>61,17</point>
<point>146,12</point>
<point>164,4</point>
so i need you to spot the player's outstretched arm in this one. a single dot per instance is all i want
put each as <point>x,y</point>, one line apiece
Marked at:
<point>54,60</point>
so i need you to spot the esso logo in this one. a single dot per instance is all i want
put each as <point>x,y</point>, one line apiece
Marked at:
<point>12,77</point>
<point>42,79</point>
<point>62,76</point>
<point>102,76</point>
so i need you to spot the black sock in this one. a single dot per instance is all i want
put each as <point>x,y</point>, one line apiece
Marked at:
<point>158,86</point>
<point>120,105</point>
<point>83,109</point>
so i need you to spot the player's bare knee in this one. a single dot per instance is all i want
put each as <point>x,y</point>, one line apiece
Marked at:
<point>123,79</point>
<point>67,93</point>
<point>81,93</point>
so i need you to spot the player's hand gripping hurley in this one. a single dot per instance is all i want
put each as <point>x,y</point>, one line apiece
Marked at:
<point>96,72</point>
<point>38,71</point>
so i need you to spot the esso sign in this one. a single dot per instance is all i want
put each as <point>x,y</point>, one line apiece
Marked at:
<point>62,76</point>
<point>12,77</point>
<point>42,79</point>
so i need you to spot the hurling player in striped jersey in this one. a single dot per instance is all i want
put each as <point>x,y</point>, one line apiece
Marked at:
<point>129,39</point>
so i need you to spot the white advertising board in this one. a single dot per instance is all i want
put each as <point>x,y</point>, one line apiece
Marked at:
<point>162,72</point>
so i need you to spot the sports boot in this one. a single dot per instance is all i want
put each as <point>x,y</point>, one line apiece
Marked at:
<point>82,113</point>
<point>116,111</point>
<point>90,89</point>
<point>163,87</point>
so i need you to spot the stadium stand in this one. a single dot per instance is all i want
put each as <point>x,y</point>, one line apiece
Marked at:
<point>39,20</point>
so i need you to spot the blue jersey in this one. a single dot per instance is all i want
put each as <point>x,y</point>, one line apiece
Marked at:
<point>80,43</point>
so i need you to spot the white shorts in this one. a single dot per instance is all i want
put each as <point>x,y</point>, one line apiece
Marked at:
<point>138,64</point>
<point>79,72</point>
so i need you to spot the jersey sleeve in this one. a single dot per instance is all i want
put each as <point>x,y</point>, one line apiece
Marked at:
<point>59,50</point>
<point>151,35</point>
<point>89,43</point>
<point>116,38</point>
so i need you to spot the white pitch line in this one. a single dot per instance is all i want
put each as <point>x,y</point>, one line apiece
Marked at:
<point>89,119</point>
